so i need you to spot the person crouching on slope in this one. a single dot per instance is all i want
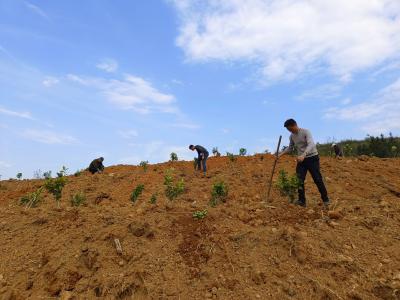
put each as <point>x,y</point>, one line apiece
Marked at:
<point>96,166</point>
<point>201,158</point>
<point>307,160</point>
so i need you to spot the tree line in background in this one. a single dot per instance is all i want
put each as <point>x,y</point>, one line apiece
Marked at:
<point>379,146</point>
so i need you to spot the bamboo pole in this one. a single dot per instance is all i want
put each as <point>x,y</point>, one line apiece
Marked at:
<point>273,168</point>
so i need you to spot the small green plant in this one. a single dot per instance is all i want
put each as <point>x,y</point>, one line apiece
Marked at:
<point>231,156</point>
<point>55,186</point>
<point>200,214</point>
<point>288,185</point>
<point>78,173</point>
<point>19,176</point>
<point>242,151</point>
<point>173,156</point>
<point>144,164</point>
<point>78,199</point>
<point>172,189</point>
<point>153,198</point>
<point>62,172</point>
<point>195,163</point>
<point>32,199</point>
<point>219,193</point>
<point>137,192</point>
<point>47,175</point>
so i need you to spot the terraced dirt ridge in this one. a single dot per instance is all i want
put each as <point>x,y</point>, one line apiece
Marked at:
<point>243,249</point>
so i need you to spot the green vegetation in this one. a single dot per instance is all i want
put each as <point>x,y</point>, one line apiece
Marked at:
<point>195,163</point>
<point>78,173</point>
<point>32,199</point>
<point>231,156</point>
<point>153,199</point>
<point>242,151</point>
<point>288,185</point>
<point>144,164</point>
<point>173,156</point>
<point>219,193</point>
<point>200,214</point>
<point>173,189</point>
<point>19,176</point>
<point>78,199</point>
<point>62,172</point>
<point>137,192</point>
<point>47,175</point>
<point>55,185</point>
<point>380,146</point>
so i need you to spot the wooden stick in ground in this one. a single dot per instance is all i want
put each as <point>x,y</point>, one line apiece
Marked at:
<point>273,168</point>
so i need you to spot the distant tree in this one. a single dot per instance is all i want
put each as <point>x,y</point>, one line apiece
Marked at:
<point>242,151</point>
<point>173,156</point>
<point>19,176</point>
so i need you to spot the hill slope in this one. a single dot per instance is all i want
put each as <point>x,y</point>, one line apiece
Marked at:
<point>241,250</point>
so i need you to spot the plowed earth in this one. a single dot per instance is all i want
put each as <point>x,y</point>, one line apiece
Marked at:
<point>243,248</point>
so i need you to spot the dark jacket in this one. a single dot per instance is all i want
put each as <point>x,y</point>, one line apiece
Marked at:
<point>201,151</point>
<point>96,166</point>
<point>338,151</point>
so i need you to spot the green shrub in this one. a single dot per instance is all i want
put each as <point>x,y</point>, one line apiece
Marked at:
<point>153,199</point>
<point>288,185</point>
<point>62,172</point>
<point>55,186</point>
<point>195,163</point>
<point>200,214</point>
<point>137,192</point>
<point>32,199</point>
<point>173,156</point>
<point>216,152</point>
<point>172,189</point>
<point>144,164</point>
<point>242,151</point>
<point>19,176</point>
<point>78,173</point>
<point>78,199</point>
<point>47,175</point>
<point>219,193</point>
<point>231,156</point>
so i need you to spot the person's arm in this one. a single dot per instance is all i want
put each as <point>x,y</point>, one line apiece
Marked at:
<point>288,149</point>
<point>310,144</point>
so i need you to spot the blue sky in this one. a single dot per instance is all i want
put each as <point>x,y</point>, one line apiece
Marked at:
<point>137,80</point>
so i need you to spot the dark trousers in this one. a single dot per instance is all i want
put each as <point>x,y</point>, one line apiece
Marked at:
<point>311,164</point>
<point>202,163</point>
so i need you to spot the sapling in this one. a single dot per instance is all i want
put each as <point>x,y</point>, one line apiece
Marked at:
<point>172,189</point>
<point>78,173</point>
<point>62,172</point>
<point>195,163</point>
<point>78,199</point>
<point>173,156</point>
<point>144,164</point>
<point>32,199</point>
<point>47,174</point>
<point>19,176</point>
<point>200,214</point>
<point>231,156</point>
<point>219,193</point>
<point>137,192</point>
<point>242,151</point>
<point>153,198</point>
<point>55,186</point>
<point>216,152</point>
<point>288,185</point>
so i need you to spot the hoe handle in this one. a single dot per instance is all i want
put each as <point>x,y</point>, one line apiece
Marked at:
<point>273,168</point>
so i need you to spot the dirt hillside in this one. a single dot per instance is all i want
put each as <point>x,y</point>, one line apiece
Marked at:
<point>242,249</point>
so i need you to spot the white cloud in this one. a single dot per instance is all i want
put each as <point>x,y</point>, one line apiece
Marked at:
<point>24,115</point>
<point>108,65</point>
<point>128,134</point>
<point>322,92</point>
<point>50,81</point>
<point>286,38</point>
<point>378,115</point>
<point>36,9</point>
<point>186,125</point>
<point>132,93</point>
<point>48,137</point>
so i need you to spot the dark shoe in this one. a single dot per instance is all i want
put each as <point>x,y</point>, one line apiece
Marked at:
<point>326,205</point>
<point>299,203</point>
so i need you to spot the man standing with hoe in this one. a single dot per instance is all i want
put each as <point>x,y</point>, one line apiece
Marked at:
<point>307,160</point>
